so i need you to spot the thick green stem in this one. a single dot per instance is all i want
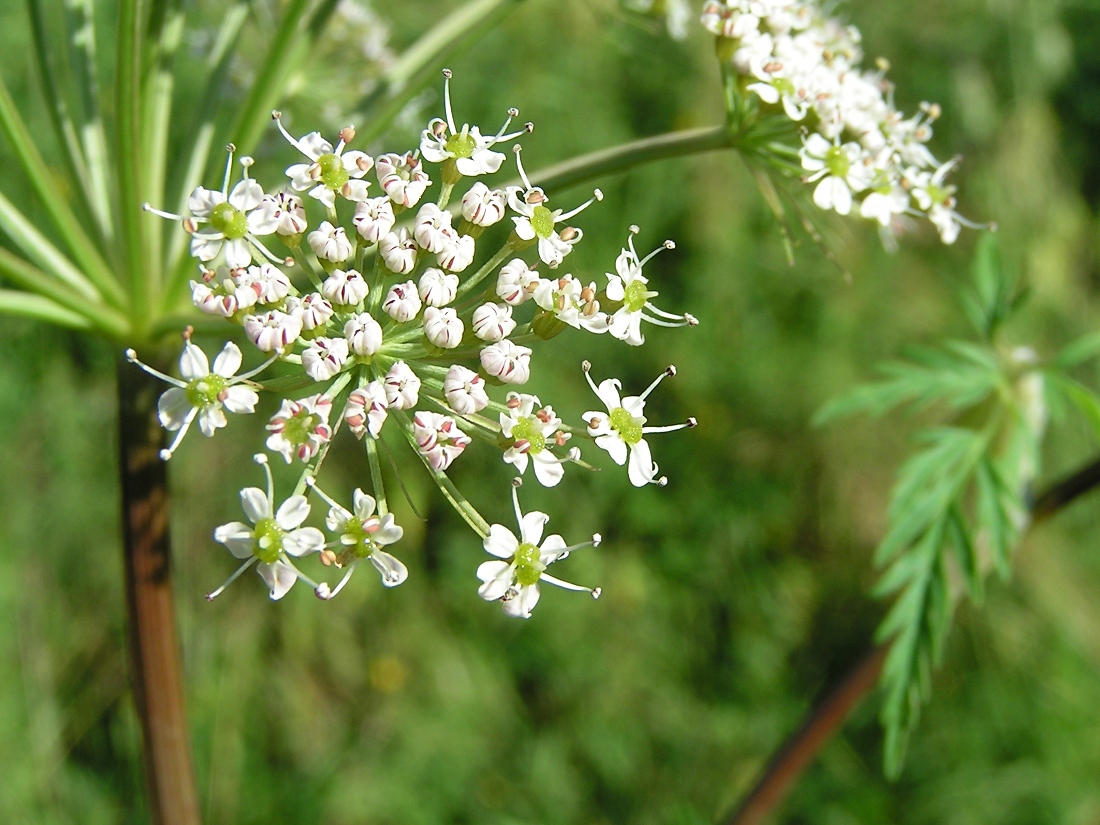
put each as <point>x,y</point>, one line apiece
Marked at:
<point>157,671</point>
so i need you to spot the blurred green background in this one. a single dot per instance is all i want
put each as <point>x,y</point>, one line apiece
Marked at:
<point>732,598</point>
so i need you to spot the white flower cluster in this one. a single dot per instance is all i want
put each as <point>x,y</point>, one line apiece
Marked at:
<point>858,145</point>
<point>380,315</point>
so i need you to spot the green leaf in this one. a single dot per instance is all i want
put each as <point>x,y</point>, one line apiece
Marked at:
<point>990,300</point>
<point>1083,349</point>
<point>960,375</point>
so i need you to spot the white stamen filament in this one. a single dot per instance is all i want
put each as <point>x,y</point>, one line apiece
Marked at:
<point>236,575</point>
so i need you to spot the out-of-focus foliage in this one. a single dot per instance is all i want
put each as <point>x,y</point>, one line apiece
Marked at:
<point>732,597</point>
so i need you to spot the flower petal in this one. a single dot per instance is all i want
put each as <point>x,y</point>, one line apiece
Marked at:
<point>363,504</point>
<point>641,469</point>
<point>246,195</point>
<point>497,577</point>
<point>238,537</point>
<point>524,602</point>
<point>608,392</point>
<point>530,527</point>
<point>193,363</point>
<point>501,542</point>
<point>303,541</point>
<point>240,400</point>
<point>173,409</point>
<point>392,570</point>
<point>228,361</point>
<point>255,504</point>
<point>292,512</point>
<point>279,577</point>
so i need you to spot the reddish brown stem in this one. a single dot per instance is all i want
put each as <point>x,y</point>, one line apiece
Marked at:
<point>826,719</point>
<point>156,669</point>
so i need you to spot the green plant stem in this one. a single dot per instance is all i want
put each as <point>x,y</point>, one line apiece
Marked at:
<point>620,158</point>
<point>25,305</point>
<point>826,719</point>
<point>65,130</point>
<point>66,223</point>
<point>156,668</point>
<point>270,77</point>
<point>19,272</point>
<point>131,26</point>
<point>418,64</point>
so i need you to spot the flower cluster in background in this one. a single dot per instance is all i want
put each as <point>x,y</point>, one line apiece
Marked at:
<point>859,150</point>
<point>379,298</point>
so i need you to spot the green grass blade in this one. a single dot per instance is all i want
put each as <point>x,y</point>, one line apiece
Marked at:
<point>37,248</point>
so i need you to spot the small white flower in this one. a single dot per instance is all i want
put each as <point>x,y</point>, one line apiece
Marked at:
<point>442,327</point>
<point>362,536</point>
<point>344,287</point>
<point>885,202</point>
<point>840,170</point>
<point>324,358</point>
<point>398,251</point>
<point>284,212</point>
<point>509,362</point>
<point>437,288</point>
<point>630,287</point>
<point>457,252</point>
<point>533,430</point>
<point>402,386</point>
<point>300,428</point>
<point>439,439</point>
<point>403,178</point>
<point>366,409</point>
<point>364,334</point>
<point>467,147</point>
<point>622,427</point>
<point>572,303</point>
<point>273,330</point>
<point>202,393</point>
<point>432,227</point>
<point>483,206</point>
<point>402,302</point>
<point>374,218</point>
<point>516,282</point>
<point>536,222</point>
<point>272,539</point>
<point>330,171</point>
<point>493,322</point>
<point>465,390</point>
<point>330,243</point>
<point>514,578</point>
<point>312,310</point>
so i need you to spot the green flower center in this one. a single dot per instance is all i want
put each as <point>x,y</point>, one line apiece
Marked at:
<point>461,145</point>
<point>300,427</point>
<point>629,429</point>
<point>837,162</point>
<point>206,392</point>
<point>333,173</point>
<point>784,86</point>
<point>364,544</point>
<point>528,565</point>
<point>528,430</point>
<point>269,540</point>
<point>635,296</point>
<point>229,220</point>
<point>542,221</point>
<point>937,194</point>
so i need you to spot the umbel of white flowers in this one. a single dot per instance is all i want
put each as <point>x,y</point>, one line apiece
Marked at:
<point>859,150</point>
<point>400,308</point>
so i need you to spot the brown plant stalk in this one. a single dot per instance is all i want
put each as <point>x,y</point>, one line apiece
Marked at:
<point>156,667</point>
